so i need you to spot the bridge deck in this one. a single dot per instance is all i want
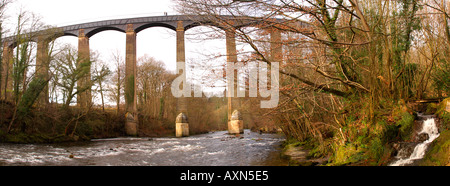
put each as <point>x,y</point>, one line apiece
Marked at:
<point>141,23</point>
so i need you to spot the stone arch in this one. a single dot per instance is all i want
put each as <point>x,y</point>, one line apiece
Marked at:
<point>101,29</point>
<point>16,43</point>
<point>149,25</point>
<point>207,23</point>
<point>68,34</point>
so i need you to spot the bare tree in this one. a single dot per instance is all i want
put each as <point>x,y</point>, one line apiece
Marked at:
<point>150,84</point>
<point>66,65</point>
<point>116,88</point>
<point>100,73</point>
<point>26,86</point>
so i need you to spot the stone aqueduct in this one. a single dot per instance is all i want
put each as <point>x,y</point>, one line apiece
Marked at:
<point>130,26</point>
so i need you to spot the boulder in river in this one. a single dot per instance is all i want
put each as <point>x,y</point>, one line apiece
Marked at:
<point>422,137</point>
<point>404,149</point>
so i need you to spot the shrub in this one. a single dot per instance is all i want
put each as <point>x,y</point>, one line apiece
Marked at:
<point>376,149</point>
<point>347,154</point>
<point>405,125</point>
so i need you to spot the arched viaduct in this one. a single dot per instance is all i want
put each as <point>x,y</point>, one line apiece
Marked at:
<point>131,27</point>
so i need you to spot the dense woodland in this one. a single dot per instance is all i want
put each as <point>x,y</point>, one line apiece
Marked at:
<point>348,81</point>
<point>348,78</point>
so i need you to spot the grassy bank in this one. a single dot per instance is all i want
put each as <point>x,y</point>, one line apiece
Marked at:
<point>373,145</point>
<point>53,125</point>
<point>57,124</point>
<point>359,142</point>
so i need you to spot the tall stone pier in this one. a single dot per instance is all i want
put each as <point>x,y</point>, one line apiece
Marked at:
<point>232,88</point>
<point>42,68</point>
<point>131,124</point>
<point>84,98</point>
<point>182,124</point>
<point>7,67</point>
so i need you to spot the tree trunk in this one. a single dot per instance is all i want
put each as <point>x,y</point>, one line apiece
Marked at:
<point>101,94</point>
<point>447,30</point>
<point>118,88</point>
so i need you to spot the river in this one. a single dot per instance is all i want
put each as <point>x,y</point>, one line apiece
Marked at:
<point>212,149</point>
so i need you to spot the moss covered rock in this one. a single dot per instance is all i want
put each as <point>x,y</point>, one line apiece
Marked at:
<point>438,153</point>
<point>405,125</point>
<point>348,154</point>
<point>443,114</point>
<point>404,120</point>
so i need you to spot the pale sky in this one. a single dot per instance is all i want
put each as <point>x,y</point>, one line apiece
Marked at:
<point>157,42</point>
<point>57,12</point>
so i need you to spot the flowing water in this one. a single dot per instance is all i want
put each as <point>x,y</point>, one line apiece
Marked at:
<point>429,128</point>
<point>207,149</point>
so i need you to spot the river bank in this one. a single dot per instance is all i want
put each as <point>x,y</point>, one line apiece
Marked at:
<point>404,130</point>
<point>56,125</point>
<point>366,145</point>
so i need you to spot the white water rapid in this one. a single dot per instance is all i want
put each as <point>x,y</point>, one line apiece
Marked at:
<point>211,149</point>
<point>428,127</point>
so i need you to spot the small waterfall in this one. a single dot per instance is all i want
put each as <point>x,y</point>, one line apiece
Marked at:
<point>429,128</point>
